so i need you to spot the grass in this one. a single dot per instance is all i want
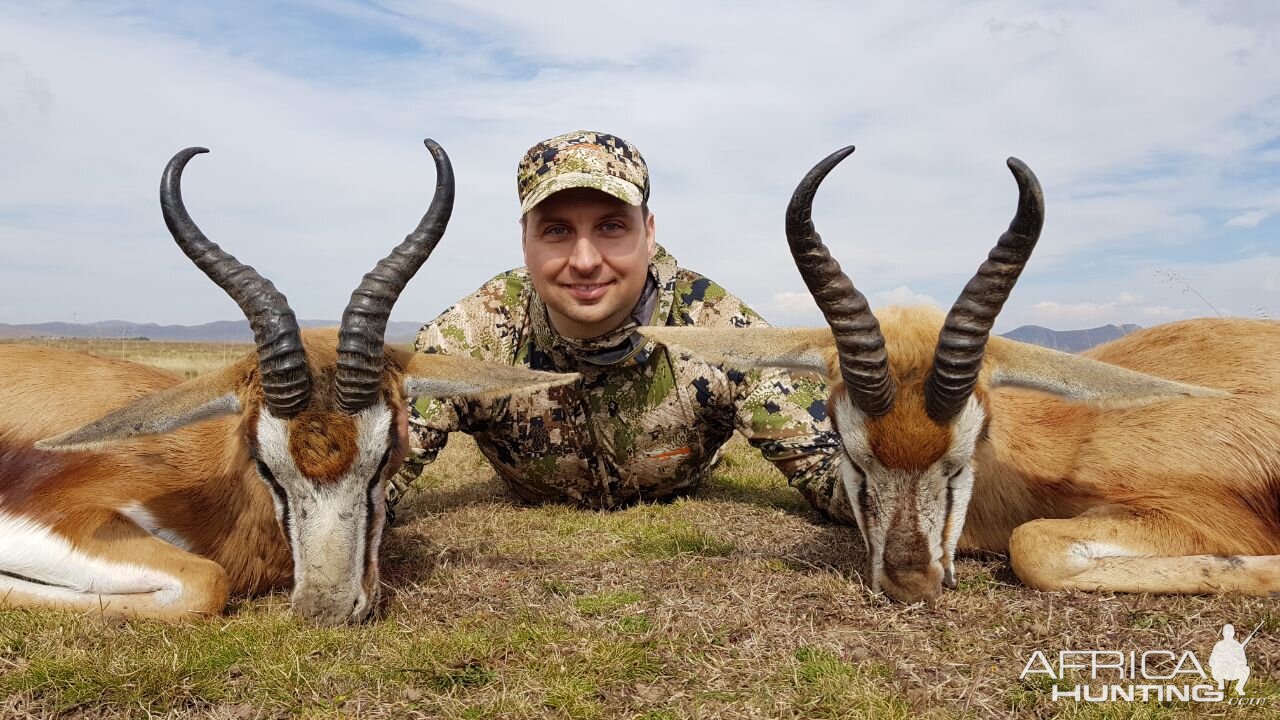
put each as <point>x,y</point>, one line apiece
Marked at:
<point>737,602</point>
<point>187,359</point>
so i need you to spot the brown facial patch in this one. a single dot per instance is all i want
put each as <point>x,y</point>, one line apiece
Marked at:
<point>322,444</point>
<point>906,438</point>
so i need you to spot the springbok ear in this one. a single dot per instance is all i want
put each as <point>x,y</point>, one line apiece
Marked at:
<point>1082,379</point>
<point>794,349</point>
<point>201,398</point>
<point>438,376</point>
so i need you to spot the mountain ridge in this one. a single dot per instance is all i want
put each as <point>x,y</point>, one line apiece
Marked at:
<point>238,331</point>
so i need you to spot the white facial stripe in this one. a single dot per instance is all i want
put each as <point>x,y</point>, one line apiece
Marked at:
<point>852,488</point>
<point>962,491</point>
<point>964,437</point>
<point>145,520</point>
<point>373,430</point>
<point>852,424</point>
<point>965,429</point>
<point>31,550</point>
<point>273,451</point>
<point>328,523</point>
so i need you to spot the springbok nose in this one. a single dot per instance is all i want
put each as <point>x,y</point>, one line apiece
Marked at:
<point>334,607</point>
<point>912,585</point>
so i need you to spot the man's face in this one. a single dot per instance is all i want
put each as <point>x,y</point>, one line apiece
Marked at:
<point>588,255</point>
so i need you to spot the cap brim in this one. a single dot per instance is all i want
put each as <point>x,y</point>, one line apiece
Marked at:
<point>617,187</point>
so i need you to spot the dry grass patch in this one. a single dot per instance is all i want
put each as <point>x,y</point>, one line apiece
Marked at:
<point>187,359</point>
<point>737,602</point>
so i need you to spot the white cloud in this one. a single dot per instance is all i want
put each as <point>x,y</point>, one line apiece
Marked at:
<point>1246,287</point>
<point>903,295</point>
<point>792,309</point>
<point>1249,219</point>
<point>1080,314</point>
<point>316,169</point>
<point>794,302</point>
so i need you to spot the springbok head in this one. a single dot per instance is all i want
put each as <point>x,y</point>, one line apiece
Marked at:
<point>321,411</point>
<point>909,391</point>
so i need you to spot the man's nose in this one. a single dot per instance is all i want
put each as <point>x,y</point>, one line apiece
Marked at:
<point>585,258</point>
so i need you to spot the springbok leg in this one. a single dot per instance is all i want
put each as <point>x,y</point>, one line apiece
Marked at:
<point>118,571</point>
<point>1122,552</point>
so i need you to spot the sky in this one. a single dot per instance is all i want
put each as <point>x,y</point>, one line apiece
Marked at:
<point>1154,128</point>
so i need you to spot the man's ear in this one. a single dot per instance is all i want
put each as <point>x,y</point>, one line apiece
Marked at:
<point>650,229</point>
<point>204,397</point>
<point>794,349</point>
<point>1018,364</point>
<point>439,376</point>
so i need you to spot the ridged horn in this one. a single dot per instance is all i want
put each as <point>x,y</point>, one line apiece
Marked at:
<point>963,339</point>
<point>864,364</point>
<point>282,361</point>
<point>364,322</point>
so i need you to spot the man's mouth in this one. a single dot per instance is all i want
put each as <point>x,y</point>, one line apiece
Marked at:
<point>587,291</point>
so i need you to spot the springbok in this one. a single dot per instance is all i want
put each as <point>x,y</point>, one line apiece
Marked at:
<point>236,481</point>
<point>1150,464</point>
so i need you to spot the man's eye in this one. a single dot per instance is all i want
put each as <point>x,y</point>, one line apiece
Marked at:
<point>612,227</point>
<point>556,231</point>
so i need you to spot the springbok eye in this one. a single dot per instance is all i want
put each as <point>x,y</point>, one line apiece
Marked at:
<point>265,472</point>
<point>269,478</point>
<point>382,465</point>
<point>862,474</point>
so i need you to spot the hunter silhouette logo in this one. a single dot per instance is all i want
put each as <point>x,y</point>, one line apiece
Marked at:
<point>1149,675</point>
<point>1227,662</point>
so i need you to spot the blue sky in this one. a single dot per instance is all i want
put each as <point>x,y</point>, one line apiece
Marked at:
<point>1154,127</point>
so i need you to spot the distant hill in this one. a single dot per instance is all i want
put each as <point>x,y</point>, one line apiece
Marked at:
<point>1070,340</point>
<point>231,331</point>
<point>237,331</point>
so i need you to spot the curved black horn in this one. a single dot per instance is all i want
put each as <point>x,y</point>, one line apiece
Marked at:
<point>364,322</point>
<point>864,364</point>
<point>286,380</point>
<point>963,339</point>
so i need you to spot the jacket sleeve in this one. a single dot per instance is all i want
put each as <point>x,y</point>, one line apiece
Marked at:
<point>785,417</point>
<point>474,327</point>
<point>782,415</point>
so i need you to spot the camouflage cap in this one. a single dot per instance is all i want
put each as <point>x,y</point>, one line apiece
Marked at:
<point>582,159</point>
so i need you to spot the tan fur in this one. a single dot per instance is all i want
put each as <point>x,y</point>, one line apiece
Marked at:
<point>198,480</point>
<point>1206,470</point>
<point>1169,467</point>
<point>1185,480</point>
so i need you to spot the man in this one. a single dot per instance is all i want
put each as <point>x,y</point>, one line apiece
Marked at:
<point>642,423</point>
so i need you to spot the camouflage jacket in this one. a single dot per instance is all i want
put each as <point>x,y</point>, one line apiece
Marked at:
<point>642,423</point>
